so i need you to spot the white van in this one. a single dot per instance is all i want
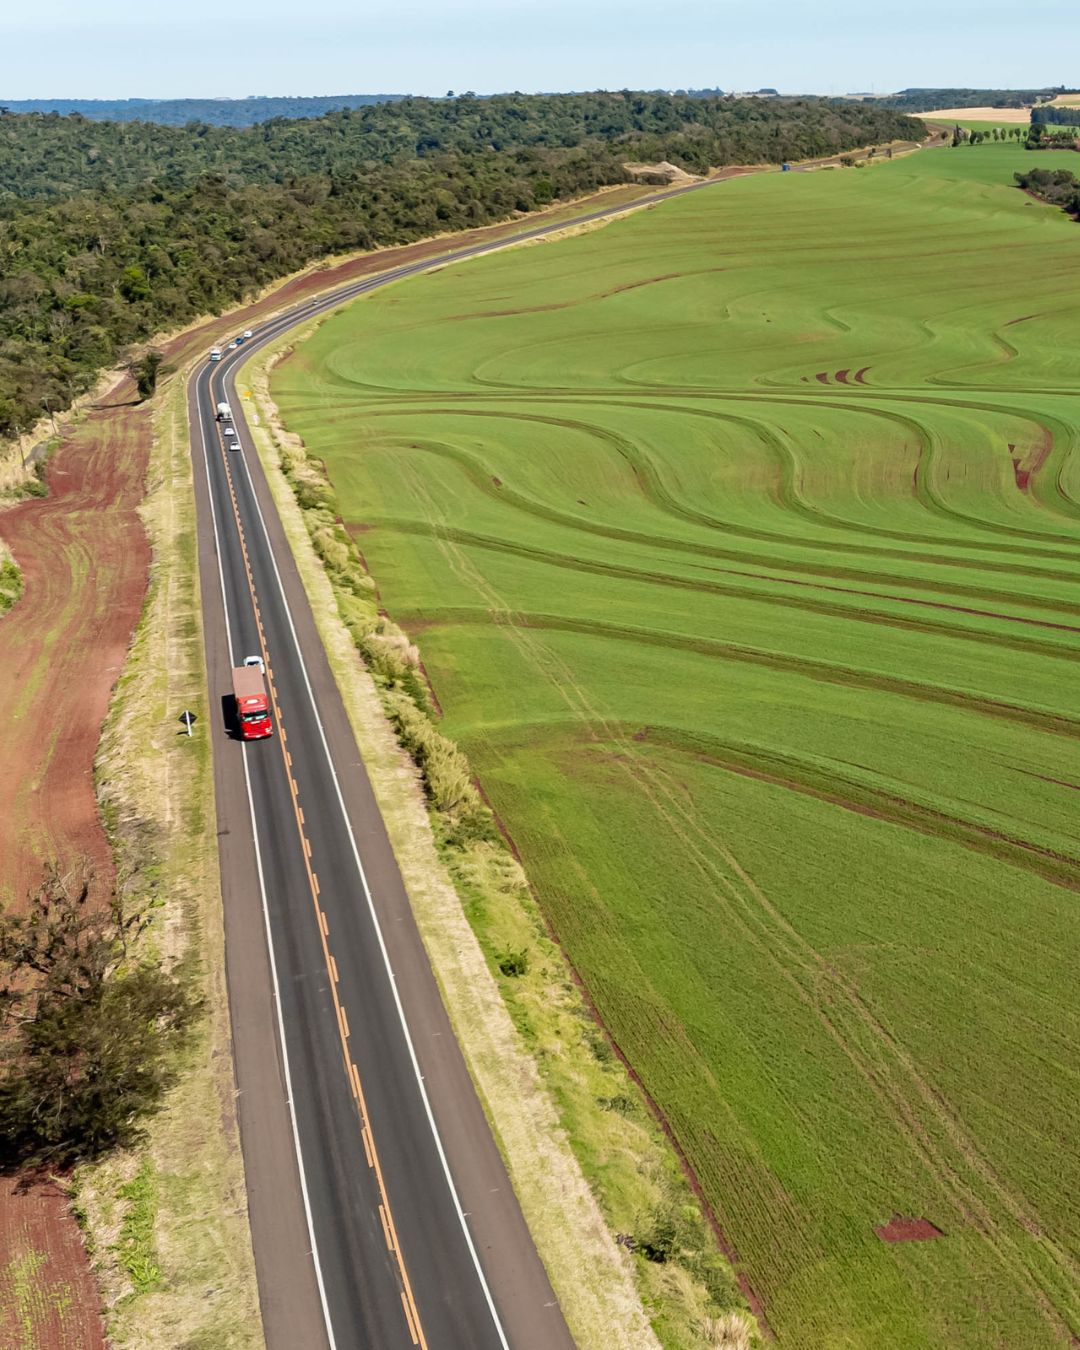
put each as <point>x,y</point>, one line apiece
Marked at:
<point>215,353</point>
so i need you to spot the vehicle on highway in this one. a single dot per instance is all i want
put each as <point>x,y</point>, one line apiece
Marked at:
<point>252,704</point>
<point>223,414</point>
<point>237,340</point>
<point>234,343</point>
<point>215,353</point>
<point>247,333</point>
<point>232,441</point>
<point>256,662</point>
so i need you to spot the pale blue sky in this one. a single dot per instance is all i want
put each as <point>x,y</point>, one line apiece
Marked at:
<point>123,48</point>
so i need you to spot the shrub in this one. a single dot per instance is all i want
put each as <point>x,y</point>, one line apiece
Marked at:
<point>88,1033</point>
<point>513,964</point>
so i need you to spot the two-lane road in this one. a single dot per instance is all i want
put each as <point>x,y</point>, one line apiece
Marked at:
<point>394,1260</point>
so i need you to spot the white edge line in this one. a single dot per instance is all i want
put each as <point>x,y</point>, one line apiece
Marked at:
<point>265,909</point>
<point>379,935</point>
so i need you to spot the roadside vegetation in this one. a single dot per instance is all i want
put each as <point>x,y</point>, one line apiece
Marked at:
<point>110,233</point>
<point>11,581</point>
<point>558,1096</point>
<point>738,544</point>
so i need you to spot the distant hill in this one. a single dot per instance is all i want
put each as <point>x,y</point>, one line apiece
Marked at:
<point>177,112</point>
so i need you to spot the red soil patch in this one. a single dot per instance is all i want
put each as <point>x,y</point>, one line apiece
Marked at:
<point>822,377</point>
<point>85,560</point>
<point>1023,471</point>
<point>48,1298</point>
<point>860,375</point>
<point>899,1229</point>
<point>841,376</point>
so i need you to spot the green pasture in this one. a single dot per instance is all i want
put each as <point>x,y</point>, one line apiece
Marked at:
<point>740,539</point>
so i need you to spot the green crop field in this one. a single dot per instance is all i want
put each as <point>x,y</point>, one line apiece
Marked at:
<point>741,539</point>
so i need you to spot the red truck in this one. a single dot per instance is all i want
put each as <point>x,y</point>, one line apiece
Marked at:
<point>252,705</point>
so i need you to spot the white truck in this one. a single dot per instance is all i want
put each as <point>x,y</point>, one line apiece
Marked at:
<point>224,413</point>
<point>215,353</point>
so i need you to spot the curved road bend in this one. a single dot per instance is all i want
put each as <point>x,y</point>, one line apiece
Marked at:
<point>381,1213</point>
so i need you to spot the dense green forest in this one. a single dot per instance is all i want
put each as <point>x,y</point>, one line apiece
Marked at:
<point>110,232</point>
<point>177,112</point>
<point>1059,116</point>
<point>927,100</point>
<point>48,155</point>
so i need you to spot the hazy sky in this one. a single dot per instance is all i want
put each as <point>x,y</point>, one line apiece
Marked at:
<point>122,48</point>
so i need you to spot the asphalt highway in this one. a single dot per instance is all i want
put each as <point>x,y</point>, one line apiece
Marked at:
<point>381,1213</point>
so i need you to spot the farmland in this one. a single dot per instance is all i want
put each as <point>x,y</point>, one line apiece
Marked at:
<point>739,539</point>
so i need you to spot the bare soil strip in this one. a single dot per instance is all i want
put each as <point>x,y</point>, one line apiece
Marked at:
<point>84,557</point>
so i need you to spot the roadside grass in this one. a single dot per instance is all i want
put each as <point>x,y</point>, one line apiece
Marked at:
<point>561,1104</point>
<point>167,1223</point>
<point>738,543</point>
<point>11,581</point>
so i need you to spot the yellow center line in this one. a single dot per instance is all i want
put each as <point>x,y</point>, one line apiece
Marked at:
<point>412,1314</point>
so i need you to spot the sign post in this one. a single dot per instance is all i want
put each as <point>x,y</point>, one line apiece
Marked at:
<point>188,718</point>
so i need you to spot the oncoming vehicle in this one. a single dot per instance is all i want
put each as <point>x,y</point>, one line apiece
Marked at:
<point>252,705</point>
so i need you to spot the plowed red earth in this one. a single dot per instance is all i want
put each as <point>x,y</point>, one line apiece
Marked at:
<point>85,558</point>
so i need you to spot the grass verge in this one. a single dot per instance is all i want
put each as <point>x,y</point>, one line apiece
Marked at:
<point>11,581</point>
<point>167,1222</point>
<point>618,1228</point>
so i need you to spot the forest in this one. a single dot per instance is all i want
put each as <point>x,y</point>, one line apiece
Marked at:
<point>110,232</point>
<point>177,112</point>
<point>929,100</point>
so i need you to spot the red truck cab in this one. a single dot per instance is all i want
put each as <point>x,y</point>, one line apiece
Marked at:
<point>252,704</point>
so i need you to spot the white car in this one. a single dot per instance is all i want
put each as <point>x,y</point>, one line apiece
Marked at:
<point>247,333</point>
<point>257,662</point>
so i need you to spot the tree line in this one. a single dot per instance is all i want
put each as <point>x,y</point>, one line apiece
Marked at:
<point>929,100</point>
<point>1058,116</point>
<point>178,112</point>
<point>130,228</point>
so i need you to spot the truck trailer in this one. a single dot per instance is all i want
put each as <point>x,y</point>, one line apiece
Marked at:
<point>252,704</point>
<point>224,413</point>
